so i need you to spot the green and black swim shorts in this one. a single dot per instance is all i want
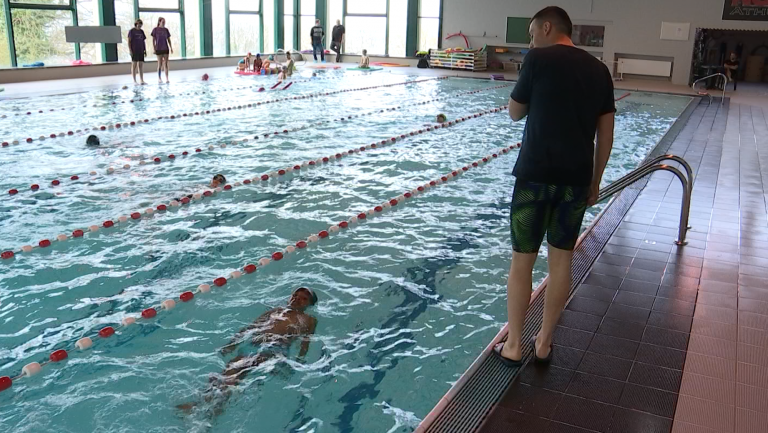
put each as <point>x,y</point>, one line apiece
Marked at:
<point>556,210</point>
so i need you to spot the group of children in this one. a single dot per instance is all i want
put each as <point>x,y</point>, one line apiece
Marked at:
<point>265,67</point>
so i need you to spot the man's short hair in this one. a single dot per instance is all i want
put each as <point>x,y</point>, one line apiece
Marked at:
<point>557,17</point>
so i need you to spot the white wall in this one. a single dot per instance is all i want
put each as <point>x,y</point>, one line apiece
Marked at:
<point>632,26</point>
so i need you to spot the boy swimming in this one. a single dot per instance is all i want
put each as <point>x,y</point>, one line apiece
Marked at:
<point>271,335</point>
<point>92,140</point>
<point>217,181</point>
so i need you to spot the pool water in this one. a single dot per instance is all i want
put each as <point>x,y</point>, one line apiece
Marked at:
<point>406,300</point>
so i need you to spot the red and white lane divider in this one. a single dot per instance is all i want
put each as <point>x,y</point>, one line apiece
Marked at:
<point>622,97</point>
<point>135,100</point>
<point>56,184</point>
<point>150,313</point>
<point>121,125</point>
<point>274,175</point>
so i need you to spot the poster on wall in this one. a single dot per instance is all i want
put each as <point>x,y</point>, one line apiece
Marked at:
<point>745,10</point>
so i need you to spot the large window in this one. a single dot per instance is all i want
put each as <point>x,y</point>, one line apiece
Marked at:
<point>219,12</point>
<point>306,22</point>
<point>366,24</point>
<point>5,52</point>
<point>39,33</point>
<point>289,25</point>
<point>398,27</point>
<point>268,24</point>
<point>335,9</point>
<point>429,24</point>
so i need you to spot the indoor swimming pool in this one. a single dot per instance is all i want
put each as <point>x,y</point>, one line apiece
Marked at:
<point>408,296</point>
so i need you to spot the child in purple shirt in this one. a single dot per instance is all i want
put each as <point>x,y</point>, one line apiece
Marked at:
<point>161,41</point>
<point>136,45</point>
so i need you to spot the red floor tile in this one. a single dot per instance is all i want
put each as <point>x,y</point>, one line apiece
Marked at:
<point>752,375</point>
<point>708,388</point>
<point>705,413</point>
<point>708,312</point>
<point>751,422</point>
<point>720,368</point>
<point>752,398</point>
<point>714,329</point>
<point>684,427</point>
<point>752,320</point>
<point>753,354</point>
<point>712,346</point>
<point>754,337</point>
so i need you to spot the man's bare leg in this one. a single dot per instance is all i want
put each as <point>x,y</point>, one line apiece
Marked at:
<point>558,288</point>
<point>519,286</point>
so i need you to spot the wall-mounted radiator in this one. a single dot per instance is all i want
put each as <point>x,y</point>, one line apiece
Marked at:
<point>654,68</point>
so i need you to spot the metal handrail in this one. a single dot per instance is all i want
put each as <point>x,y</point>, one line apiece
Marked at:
<point>654,161</point>
<point>720,74</point>
<point>648,168</point>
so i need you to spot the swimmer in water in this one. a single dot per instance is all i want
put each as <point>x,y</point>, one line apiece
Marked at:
<point>272,334</point>
<point>441,118</point>
<point>282,75</point>
<point>217,181</point>
<point>92,140</point>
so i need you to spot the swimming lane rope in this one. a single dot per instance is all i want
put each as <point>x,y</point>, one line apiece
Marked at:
<point>121,125</point>
<point>274,175</point>
<point>56,184</point>
<point>148,314</point>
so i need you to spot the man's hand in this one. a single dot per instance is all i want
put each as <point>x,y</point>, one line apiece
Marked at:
<point>594,191</point>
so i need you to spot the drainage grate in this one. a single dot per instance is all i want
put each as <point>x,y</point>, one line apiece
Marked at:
<point>474,401</point>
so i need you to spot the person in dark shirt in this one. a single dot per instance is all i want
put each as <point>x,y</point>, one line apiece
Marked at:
<point>567,95</point>
<point>730,68</point>
<point>337,39</point>
<point>317,34</point>
<point>138,49</point>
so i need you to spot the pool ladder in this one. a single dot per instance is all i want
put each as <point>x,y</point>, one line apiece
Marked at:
<point>649,167</point>
<point>725,84</point>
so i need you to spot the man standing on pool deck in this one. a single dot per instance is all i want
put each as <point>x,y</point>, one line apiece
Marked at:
<point>337,39</point>
<point>161,41</point>
<point>567,95</point>
<point>317,34</point>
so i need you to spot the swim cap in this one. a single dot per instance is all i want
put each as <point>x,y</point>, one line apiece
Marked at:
<point>271,57</point>
<point>92,140</point>
<point>311,293</point>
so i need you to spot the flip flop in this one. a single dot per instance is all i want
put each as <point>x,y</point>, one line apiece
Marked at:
<point>511,363</point>
<point>536,359</point>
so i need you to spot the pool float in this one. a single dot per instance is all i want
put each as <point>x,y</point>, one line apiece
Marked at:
<point>34,65</point>
<point>286,87</point>
<point>80,63</point>
<point>357,68</point>
<point>389,65</point>
<point>247,72</point>
<point>275,86</point>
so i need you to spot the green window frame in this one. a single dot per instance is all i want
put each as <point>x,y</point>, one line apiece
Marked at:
<point>179,10</point>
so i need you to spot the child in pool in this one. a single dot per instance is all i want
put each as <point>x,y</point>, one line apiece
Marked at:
<point>257,62</point>
<point>217,181</point>
<point>267,66</point>
<point>282,75</point>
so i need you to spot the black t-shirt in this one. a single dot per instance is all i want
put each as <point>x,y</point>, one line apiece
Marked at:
<point>338,32</point>
<point>317,34</point>
<point>567,90</point>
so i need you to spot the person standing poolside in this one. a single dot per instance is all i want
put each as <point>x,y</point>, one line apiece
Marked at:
<point>161,41</point>
<point>317,34</point>
<point>337,39</point>
<point>138,49</point>
<point>731,68</point>
<point>567,95</point>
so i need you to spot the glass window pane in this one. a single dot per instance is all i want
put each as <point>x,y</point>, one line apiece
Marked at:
<point>5,53</point>
<point>398,22</point>
<point>335,11</point>
<point>306,24</point>
<point>368,33</point>
<point>159,4</point>
<point>288,7</point>
<point>39,36</point>
<point>124,19</point>
<point>88,15</point>
<point>42,2</point>
<point>192,27</point>
<point>428,33</point>
<point>367,7</point>
<point>244,32</point>
<point>429,8</point>
<point>307,7</point>
<point>244,5</point>
<point>172,22</point>
<point>269,26</point>
<point>219,23</point>
<point>288,32</point>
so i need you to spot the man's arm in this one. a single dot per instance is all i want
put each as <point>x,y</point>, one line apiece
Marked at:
<point>305,341</point>
<point>602,153</point>
<point>517,111</point>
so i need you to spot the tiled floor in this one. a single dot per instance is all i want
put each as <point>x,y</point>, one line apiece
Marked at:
<point>661,338</point>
